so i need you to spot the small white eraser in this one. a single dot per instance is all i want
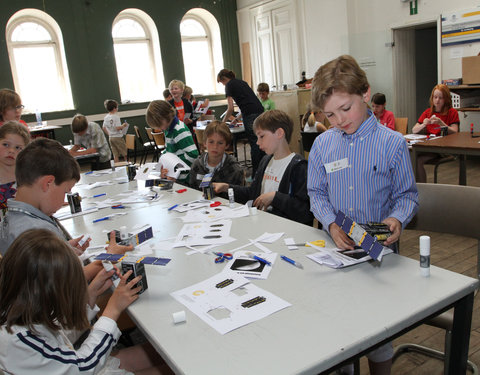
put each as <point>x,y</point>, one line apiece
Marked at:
<point>253,211</point>
<point>179,317</point>
<point>84,239</point>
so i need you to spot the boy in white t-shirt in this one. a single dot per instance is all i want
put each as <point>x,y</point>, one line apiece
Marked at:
<point>280,183</point>
<point>115,130</point>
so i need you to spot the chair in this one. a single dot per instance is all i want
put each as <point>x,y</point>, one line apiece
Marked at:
<point>401,124</point>
<point>453,209</point>
<point>146,145</point>
<point>441,159</point>
<point>131,146</point>
<point>159,140</point>
<point>200,135</point>
<point>157,149</point>
<point>307,141</point>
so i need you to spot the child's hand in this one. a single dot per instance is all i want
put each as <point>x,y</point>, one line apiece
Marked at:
<point>187,121</point>
<point>220,187</point>
<point>395,227</point>
<point>342,241</point>
<point>123,296</point>
<point>76,247</point>
<point>163,172</point>
<point>114,248</point>
<point>101,282</point>
<point>263,201</point>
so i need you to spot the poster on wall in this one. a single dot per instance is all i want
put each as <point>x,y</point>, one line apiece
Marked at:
<point>461,27</point>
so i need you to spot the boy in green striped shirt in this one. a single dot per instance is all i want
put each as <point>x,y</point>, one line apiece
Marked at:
<point>161,116</point>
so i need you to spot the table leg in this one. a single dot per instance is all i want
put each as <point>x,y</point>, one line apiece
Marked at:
<point>462,174</point>
<point>462,321</point>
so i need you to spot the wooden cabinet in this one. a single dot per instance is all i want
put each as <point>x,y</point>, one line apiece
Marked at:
<point>293,102</point>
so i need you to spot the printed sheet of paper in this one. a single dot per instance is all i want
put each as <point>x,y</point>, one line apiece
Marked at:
<point>215,213</point>
<point>229,302</point>
<point>148,171</point>
<point>336,258</point>
<point>243,264</point>
<point>192,205</point>
<point>173,163</point>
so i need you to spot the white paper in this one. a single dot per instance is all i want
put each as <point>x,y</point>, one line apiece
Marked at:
<point>336,258</point>
<point>196,234</point>
<point>221,212</point>
<point>218,302</point>
<point>148,171</point>
<point>98,184</point>
<point>290,242</point>
<point>65,213</point>
<point>173,164</point>
<point>192,205</point>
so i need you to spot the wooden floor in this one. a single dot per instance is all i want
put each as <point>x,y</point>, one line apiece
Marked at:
<point>458,254</point>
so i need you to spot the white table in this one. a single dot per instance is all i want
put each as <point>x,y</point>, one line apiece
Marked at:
<point>335,315</point>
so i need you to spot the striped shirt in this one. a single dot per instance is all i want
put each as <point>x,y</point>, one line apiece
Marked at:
<point>377,181</point>
<point>179,141</point>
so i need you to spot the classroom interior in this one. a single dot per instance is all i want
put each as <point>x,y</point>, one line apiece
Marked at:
<point>271,41</point>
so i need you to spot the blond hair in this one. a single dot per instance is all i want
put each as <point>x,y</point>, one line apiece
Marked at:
<point>158,112</point>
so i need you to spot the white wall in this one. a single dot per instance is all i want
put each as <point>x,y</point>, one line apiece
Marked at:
<point>362,28</point>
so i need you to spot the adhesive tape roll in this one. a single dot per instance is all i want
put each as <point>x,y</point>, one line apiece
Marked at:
<point>179,317</point>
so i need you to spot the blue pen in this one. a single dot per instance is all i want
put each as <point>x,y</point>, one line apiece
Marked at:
<point>101,219</point>
<point>261,260</point>
<point>99,195</point>
<point>291,261</point>
<point>89,172</point>
<point>171,208</point>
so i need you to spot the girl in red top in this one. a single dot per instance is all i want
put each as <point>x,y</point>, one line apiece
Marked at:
<point>440,115</point>
<point>440,118</point>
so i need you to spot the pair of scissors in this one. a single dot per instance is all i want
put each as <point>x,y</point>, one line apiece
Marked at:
<point>221,257</point>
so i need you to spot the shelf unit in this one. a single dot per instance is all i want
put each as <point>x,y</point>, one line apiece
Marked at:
<point>469,94</point>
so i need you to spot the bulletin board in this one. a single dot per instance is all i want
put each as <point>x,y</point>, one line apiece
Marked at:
<point>461,27</point>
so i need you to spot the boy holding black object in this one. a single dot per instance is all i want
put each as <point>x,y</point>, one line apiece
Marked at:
<point>359,167</point>
<point>280,183</point>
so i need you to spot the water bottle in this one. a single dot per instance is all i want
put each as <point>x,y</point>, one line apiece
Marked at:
<point>38,116</point>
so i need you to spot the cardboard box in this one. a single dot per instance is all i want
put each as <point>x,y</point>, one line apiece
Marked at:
<point>471,70</point>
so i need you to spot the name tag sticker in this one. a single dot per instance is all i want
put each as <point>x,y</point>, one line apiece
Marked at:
<point>337,165</point>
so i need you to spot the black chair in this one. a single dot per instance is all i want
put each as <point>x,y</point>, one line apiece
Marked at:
<point>453,209</point>
<point>146,145</point>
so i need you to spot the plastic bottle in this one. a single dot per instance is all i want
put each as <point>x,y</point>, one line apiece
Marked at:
<point>231,198</point>
<point>38,116</point>
<point>425,256</point>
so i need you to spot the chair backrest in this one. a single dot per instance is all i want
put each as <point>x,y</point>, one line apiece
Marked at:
<point>130,141</point>
<point>401,124</point>
<point>149,133</point>
<point>453,209</point>
<point>159,138</point>
<point>200,134</point>
<point>307,140</point>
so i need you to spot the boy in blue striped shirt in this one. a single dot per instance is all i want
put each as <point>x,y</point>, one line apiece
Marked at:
<point>358,166</point>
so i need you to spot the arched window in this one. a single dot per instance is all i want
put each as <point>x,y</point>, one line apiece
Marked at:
<point>202,51</point>
<point>37,58</point>
<point>137,56</point>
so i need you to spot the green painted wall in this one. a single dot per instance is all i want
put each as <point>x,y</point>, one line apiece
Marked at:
<point>86,27</point>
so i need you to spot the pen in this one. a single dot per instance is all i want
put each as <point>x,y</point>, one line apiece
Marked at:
<point>99,195</point>
<point>118,206</point>
<point>261,260</point>
<point>291,261</point>
<point>101,219</point>
<point>171,208</point>
<point>89,172</point>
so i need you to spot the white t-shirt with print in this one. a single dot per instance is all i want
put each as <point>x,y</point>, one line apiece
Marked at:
<point>274,173</point>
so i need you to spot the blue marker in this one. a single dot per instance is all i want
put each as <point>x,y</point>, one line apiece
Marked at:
<point>261,260</point>
<point>89,172</point>
<point>101,219</point>
<point>171,208</point>
<point>291,261</point>
<point>99,195</point>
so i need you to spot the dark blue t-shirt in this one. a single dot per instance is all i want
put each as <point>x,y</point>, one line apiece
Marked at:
<point>244,96</point>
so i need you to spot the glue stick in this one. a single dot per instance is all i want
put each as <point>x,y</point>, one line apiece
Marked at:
<point>425,256</point>
<point>231,198</point>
